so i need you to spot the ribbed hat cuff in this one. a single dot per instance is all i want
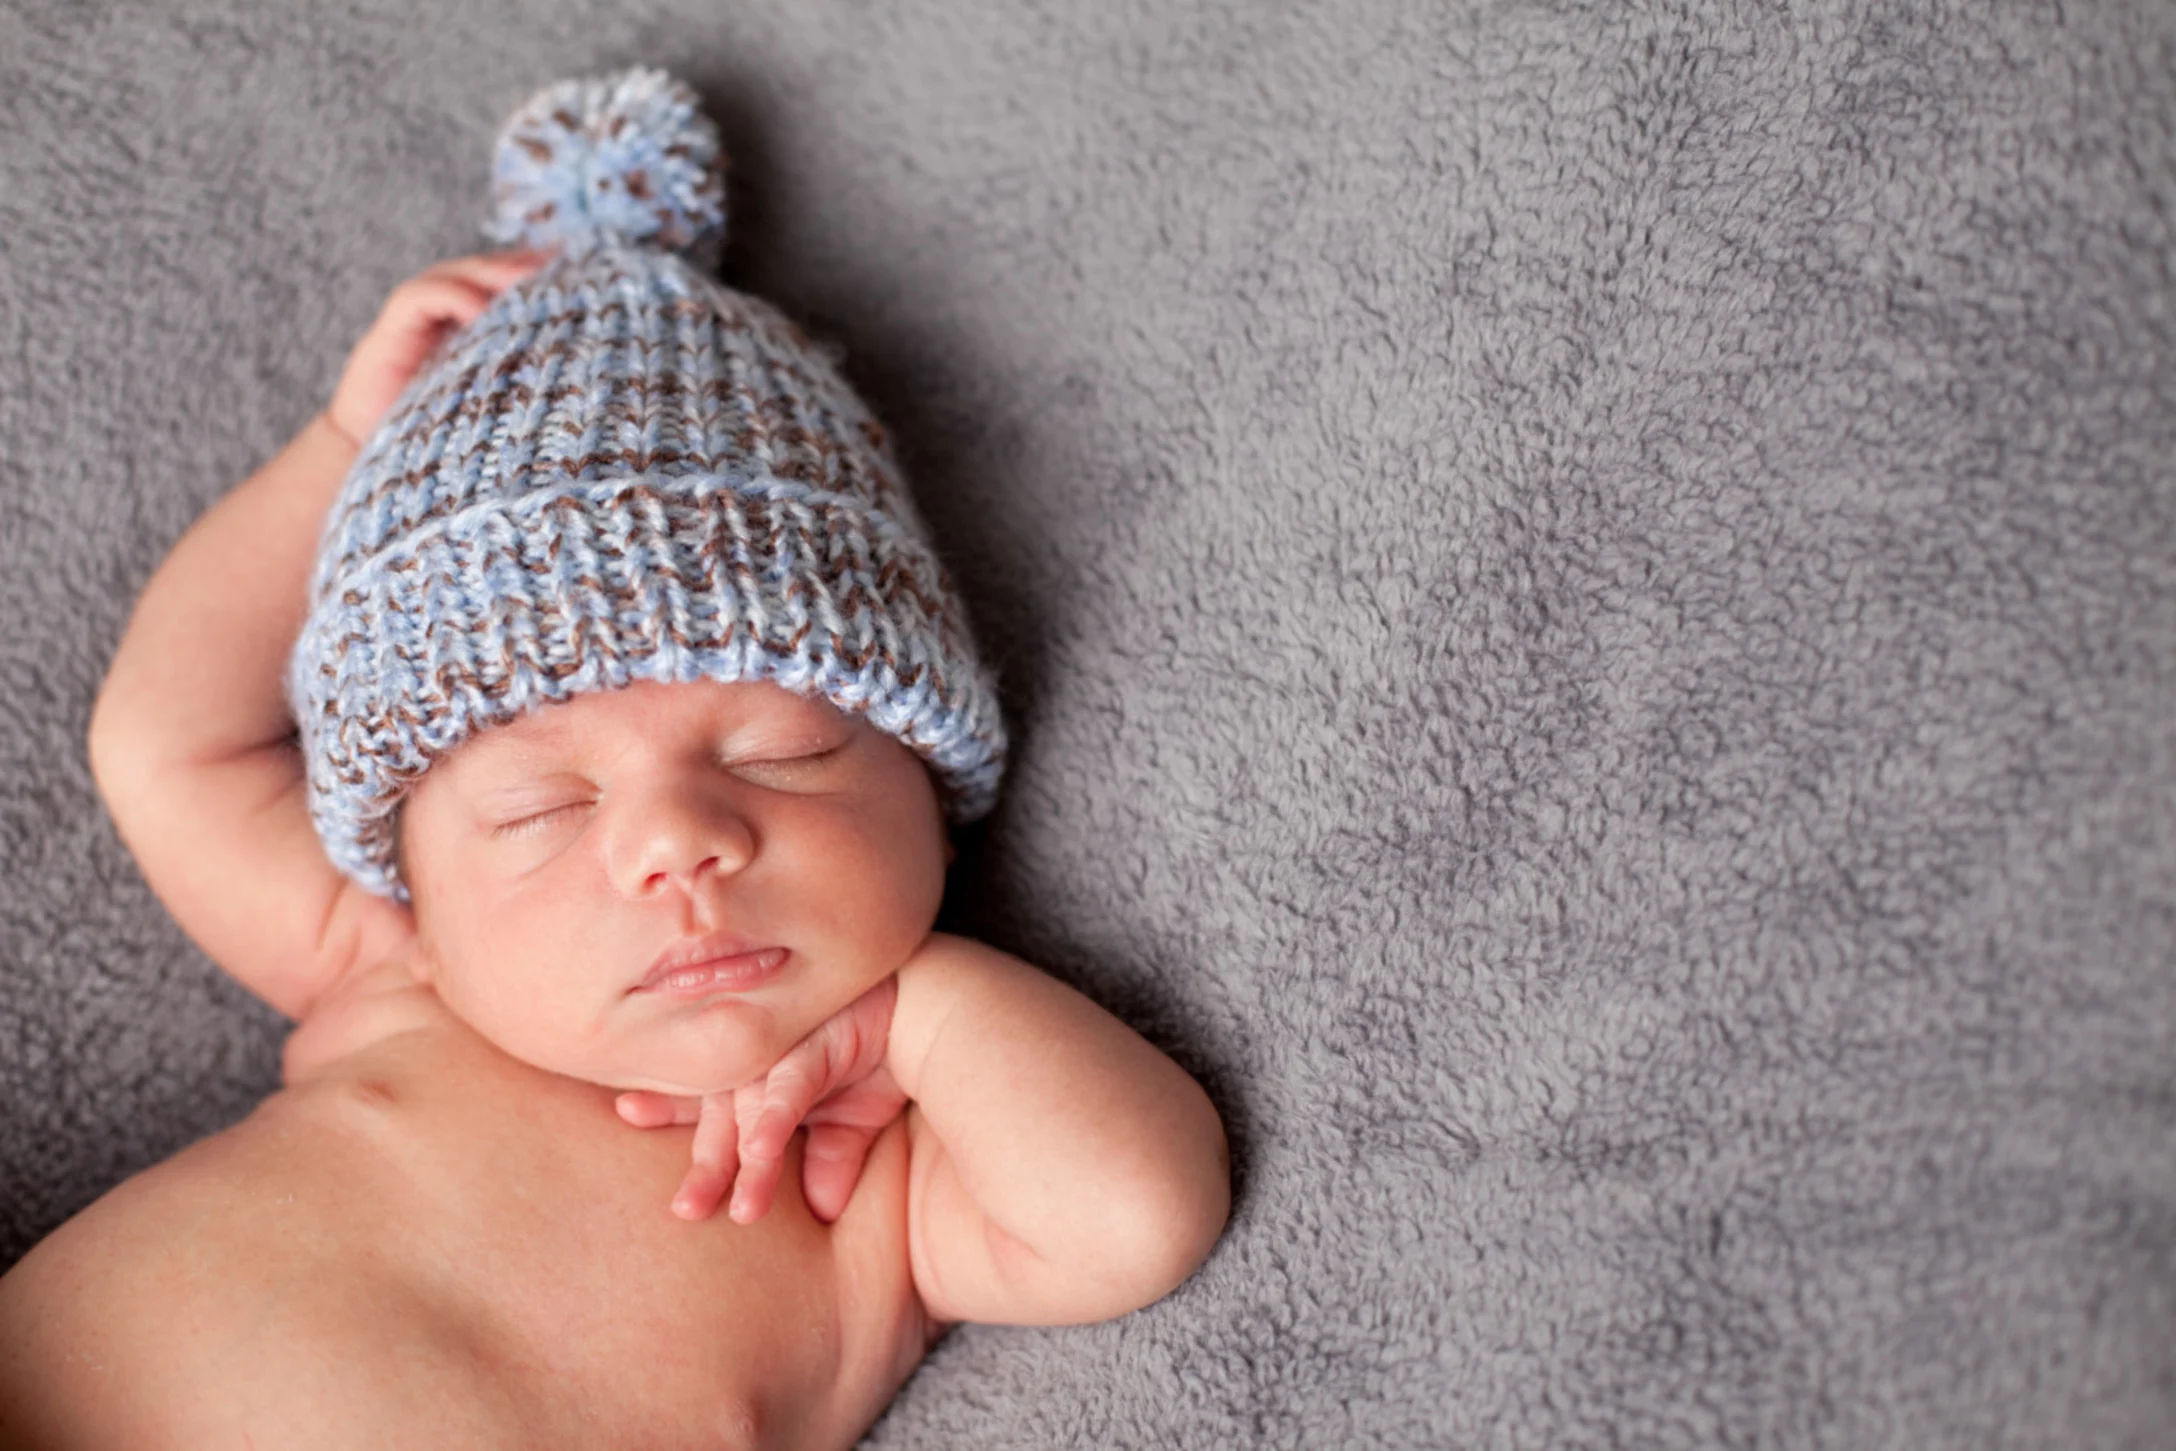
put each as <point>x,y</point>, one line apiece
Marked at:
<point>537,596</point>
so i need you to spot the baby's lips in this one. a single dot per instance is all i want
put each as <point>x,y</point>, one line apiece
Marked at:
<point>720,961</point>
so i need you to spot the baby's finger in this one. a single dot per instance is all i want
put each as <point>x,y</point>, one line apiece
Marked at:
<point>831,1164</point>
<point>647,1110</point>
<point>427,303</point>
<point>715,1160</point>
<point>779,1104</point>
<point>757,1180</point>
<point>753,1189</point>
<point>493,270</point>
<point>768,1113</point>
<point>702,1190</point>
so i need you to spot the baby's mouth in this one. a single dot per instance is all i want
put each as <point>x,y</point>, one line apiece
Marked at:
<point>717,963</point>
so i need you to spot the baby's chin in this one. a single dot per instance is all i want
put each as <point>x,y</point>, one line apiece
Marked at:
<point>714,1049</point>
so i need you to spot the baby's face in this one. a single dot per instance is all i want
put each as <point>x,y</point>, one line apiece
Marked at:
<point>557,862</point>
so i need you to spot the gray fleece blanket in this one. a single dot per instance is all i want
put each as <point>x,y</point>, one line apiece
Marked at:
<point>1587,595</point>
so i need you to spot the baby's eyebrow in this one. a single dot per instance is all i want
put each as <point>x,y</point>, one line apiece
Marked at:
<point>517,758</point>
<point>532,723</point>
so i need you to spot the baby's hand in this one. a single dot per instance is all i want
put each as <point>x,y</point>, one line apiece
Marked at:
<point>834,1081</point>
<point>416,318</point>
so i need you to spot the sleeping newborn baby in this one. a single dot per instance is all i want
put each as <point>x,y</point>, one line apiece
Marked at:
<point>629,708</point>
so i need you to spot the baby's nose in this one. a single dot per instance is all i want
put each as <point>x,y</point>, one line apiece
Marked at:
<point>674,836</point>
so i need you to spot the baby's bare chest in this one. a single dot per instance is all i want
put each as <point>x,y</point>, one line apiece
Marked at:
<point>430,1247</point>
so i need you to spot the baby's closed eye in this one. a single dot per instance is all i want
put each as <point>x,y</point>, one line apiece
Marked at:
<point>810,759</point>
<point>536,821</point>
<point>796,761</point>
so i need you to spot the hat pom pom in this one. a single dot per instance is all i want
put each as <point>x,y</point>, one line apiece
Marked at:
<point>626,158</point>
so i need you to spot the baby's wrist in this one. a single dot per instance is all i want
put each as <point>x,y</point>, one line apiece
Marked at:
<point>342,434</point>
<point>932,986</point>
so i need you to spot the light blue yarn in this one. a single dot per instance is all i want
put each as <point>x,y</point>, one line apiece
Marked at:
<point>625,158</point>
<point>622,470</point>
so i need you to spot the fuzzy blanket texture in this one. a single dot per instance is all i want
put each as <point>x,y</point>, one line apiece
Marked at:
<point>1586,592</point>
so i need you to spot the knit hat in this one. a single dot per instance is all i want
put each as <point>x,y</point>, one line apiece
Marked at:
<point>622,470</point>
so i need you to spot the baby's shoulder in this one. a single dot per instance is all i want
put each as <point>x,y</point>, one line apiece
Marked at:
<point>361,1010</point>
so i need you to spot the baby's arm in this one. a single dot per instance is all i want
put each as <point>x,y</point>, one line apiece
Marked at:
<point>191,742</point>
<point>1063,1170</point>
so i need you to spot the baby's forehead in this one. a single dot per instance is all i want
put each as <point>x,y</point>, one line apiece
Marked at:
<point>647,709</point>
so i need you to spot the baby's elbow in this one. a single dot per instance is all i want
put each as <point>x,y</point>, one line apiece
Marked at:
<point>114,751</point>
<point>101,743</point>
<point>1170,1220</point>
<point>1207,1207</point>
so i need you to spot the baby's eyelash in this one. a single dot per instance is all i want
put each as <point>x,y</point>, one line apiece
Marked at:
<point>528,823</point>
<point>524,825</point>
<point>808,758</point>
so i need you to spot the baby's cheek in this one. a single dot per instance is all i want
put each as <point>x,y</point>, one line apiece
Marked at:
<point>509,1018</point>
<point>503,994</point>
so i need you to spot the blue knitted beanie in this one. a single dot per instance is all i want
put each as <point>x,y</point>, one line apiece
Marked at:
<point>622,470</point>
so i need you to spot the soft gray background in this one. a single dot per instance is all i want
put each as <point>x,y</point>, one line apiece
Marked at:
<point>1587,593</point>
